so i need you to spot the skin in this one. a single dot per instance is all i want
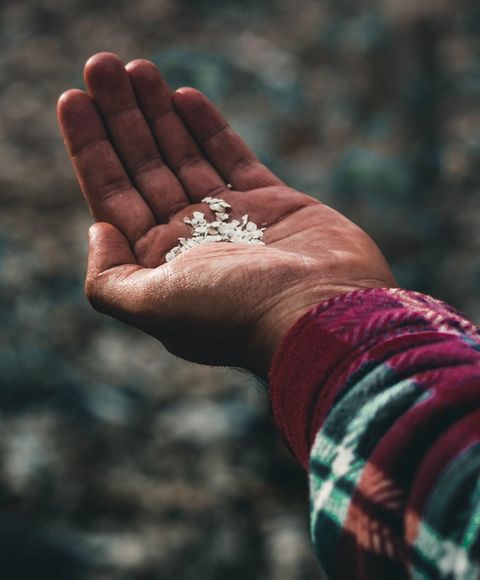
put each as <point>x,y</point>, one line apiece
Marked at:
<point>144,157</point>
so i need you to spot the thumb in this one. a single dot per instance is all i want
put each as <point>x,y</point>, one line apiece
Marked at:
<point>112,280</point>
<point>107,248</point>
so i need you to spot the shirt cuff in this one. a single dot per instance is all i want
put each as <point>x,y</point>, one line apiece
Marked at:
<point>323,349</point>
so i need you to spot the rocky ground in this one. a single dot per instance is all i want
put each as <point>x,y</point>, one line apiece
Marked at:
<point>119,461</point>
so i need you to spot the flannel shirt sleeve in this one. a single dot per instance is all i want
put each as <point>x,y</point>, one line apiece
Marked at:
<point>377,394</point>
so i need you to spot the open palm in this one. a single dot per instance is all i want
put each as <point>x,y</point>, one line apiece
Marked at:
<point>145,158</point>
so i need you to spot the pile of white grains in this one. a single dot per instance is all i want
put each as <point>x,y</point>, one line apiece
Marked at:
<point>220,230</point>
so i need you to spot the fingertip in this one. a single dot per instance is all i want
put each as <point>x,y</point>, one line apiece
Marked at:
<point>187,94</point>
<point>141,64</point>
<point>94,232</point>
<point>151,90</point>
<point>70,97</point>
<point>74,108</point>
<point>102,230</point>
<point>101,59</point>
<point>67,95</point>
<point>101,64</point>
<point>200,115</point>
<point>191,102</point>
<point>146,77</point>
<point>183,90</point>
<point>94,235</point>
<point>108,248</point>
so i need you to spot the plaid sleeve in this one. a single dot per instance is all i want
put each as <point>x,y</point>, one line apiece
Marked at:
<point>377,394</point>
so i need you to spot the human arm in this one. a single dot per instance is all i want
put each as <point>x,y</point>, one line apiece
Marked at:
<point>377,394</point>
<point>144,158</point>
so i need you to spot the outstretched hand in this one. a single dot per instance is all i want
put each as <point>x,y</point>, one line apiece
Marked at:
<point>145,158</point>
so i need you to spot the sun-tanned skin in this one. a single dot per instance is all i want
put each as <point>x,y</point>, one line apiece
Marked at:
<point>144,158</point>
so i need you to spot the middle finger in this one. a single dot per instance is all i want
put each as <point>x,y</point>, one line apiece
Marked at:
<point>108,83</point>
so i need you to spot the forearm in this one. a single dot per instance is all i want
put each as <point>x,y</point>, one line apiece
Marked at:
<point>378,392</point>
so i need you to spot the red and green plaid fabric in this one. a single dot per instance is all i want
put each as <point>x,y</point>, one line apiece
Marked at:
<point>377,394</point>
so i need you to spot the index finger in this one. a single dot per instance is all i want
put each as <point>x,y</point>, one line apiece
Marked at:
<point>102,177</point>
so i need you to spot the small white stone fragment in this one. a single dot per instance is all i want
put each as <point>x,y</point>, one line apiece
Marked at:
<point>215,200</point>
<point>219,230</point>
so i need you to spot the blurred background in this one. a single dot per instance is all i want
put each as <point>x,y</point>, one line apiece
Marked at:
<point>117,460</point>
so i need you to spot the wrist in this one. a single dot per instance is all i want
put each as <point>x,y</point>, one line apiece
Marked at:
<point>277,321</point>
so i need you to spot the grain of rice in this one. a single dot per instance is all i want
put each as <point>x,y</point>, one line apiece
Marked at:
<point>219,230</point>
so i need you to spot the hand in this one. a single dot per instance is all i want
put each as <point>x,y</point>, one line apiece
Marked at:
<point>145,158</point>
